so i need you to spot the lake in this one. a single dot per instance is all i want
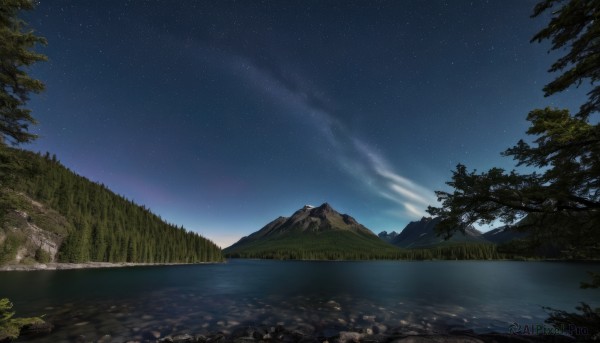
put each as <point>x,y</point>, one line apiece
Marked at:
<point>323,296</point>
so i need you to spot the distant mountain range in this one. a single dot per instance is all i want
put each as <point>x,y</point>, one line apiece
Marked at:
<point>312,233</point>
<point>323,233</point>
<point>388,237</point>
<point>421,234</point>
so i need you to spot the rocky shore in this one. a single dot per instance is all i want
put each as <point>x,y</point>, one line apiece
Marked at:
<point>280,334</point>
<point>283,335</point>
<point>86,265</point>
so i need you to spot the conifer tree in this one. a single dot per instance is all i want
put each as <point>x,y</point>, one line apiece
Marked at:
<point>16,55</point>
<point>561,199</point>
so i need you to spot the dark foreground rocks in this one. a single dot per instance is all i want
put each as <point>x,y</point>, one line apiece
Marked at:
<point>35,329</point>
<point>280,334</point>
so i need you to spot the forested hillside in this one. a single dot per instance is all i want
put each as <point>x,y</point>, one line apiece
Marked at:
<point>101,226</point>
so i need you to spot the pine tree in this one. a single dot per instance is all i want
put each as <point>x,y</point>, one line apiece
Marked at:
<point>16,54</point>
<point>561,199</point>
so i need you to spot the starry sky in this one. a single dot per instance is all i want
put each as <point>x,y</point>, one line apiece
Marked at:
<point>223,115</point>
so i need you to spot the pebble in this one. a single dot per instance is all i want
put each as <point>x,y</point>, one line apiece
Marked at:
<point>369,318</point>
<point>184,338</point>
<point>349,336</point>
<point>81,323</point>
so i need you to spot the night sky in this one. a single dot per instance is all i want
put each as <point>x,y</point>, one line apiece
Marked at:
<point>221,116</point>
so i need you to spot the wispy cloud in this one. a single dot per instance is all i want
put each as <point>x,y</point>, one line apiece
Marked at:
<point>352,154</point>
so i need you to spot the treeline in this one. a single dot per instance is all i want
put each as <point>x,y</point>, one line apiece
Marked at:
<point>300,254</point>
<point>467,251</point>
<point>105,227</point>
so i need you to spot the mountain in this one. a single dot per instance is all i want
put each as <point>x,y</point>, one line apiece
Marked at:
<point>313,233</point>
<point>503,234</point>
<point>388,237</point>
<point>48,213</point>
<point>421,234</point>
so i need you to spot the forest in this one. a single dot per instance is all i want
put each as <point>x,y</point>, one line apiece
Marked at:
<point>101,225</point>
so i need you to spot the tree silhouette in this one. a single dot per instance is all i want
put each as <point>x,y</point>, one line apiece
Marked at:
<point>16,54</point>
<point>561,198</point>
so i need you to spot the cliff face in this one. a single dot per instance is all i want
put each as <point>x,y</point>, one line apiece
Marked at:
<point>31,232</point>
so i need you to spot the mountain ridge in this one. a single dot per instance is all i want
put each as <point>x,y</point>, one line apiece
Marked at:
<point>312,233</point>
<point>421,234</point>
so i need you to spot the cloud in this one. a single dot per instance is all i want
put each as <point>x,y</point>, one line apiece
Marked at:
<point>352,154</point>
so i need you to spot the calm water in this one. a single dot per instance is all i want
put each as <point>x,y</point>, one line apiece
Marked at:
<point>319,296</point>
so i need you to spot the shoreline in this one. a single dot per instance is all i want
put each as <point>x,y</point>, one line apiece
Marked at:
<point>97,265</point>
<point>281,334</point>
<point>86,265</point>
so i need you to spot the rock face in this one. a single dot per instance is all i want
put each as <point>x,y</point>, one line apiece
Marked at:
<point>421,234</point>
<point>39,229</point>
<point>308,230</point>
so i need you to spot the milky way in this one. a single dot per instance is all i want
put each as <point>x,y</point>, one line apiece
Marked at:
<point>221,116</point>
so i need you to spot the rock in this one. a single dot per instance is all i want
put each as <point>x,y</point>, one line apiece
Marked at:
<point>105,339</point>
<point>379,328</point>
<point>155,334</point>
<point>438,338</point>
<point>244,340</point>
<point>309,340</point>
<point>39,328</point>
<point>184,338</point>
<point>201,339</point>
<point>297,334</point>
<point>334,305</point>
<point>259,333</point>
<point>349,336</point>
<point>369,318</point>
<point>167,339</point>
<point>216,338</point>
<point>247,331</point>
